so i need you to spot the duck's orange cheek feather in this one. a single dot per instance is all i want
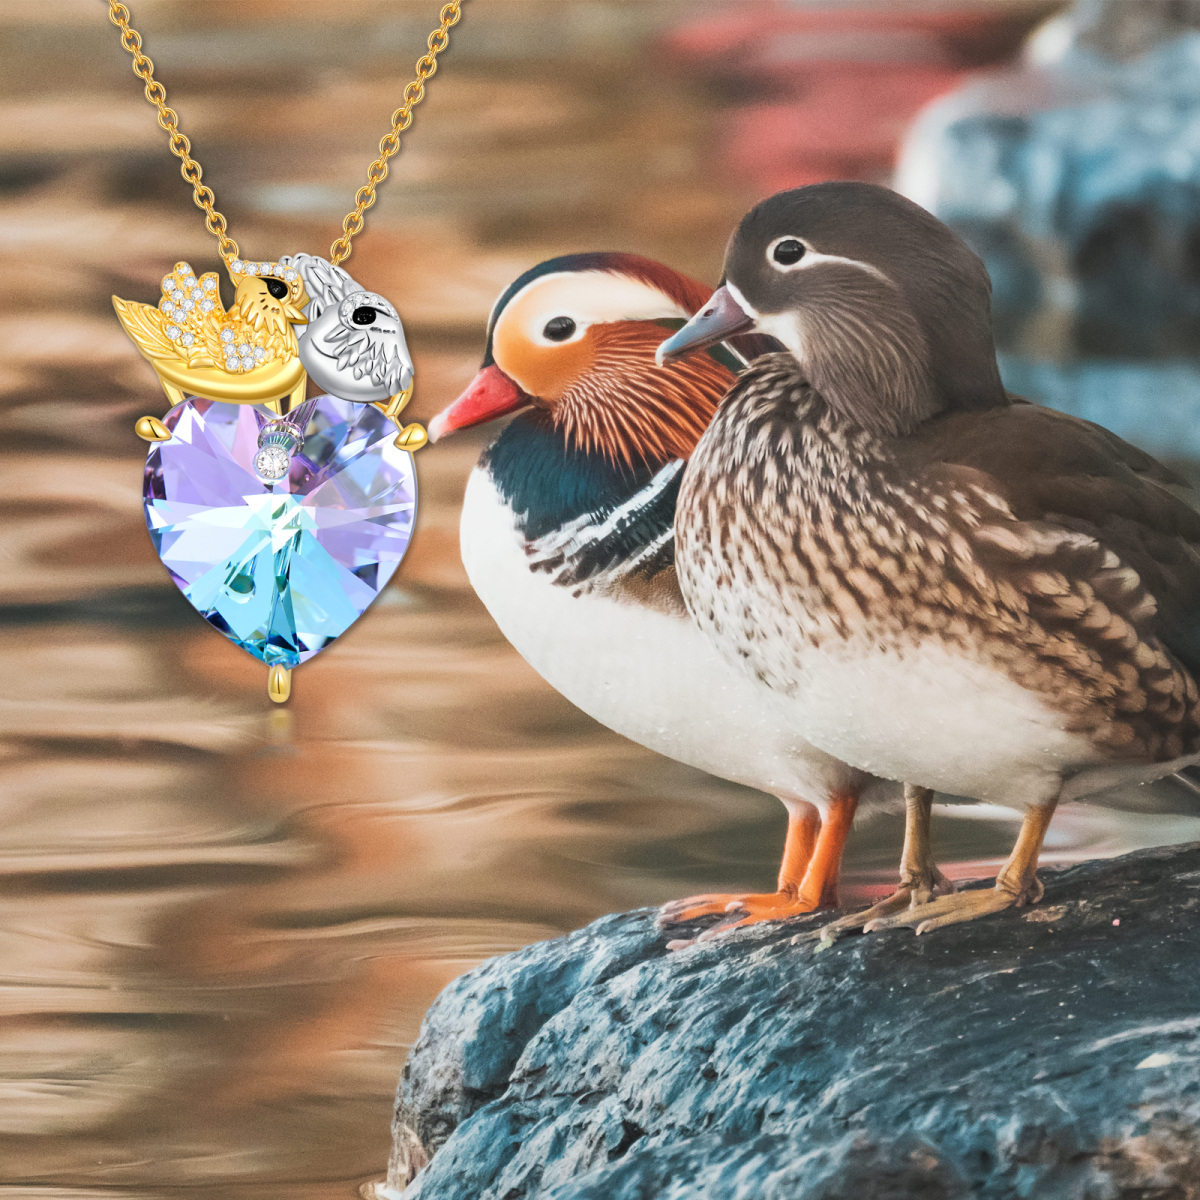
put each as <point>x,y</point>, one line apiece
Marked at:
<point>545,372</point>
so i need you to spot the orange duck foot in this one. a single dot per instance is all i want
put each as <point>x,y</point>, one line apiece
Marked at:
<point>739,911</point>
<point>748,908</point>
<point>808,879</point>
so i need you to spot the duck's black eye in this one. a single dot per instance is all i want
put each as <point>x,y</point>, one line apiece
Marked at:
<point>558,329</point>
<point>277,288</point>
<point>788,251</point>
<point>364,314</point>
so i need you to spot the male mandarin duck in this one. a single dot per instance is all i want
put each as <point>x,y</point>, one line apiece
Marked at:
<point>943,583</point>
<point>567,539</point>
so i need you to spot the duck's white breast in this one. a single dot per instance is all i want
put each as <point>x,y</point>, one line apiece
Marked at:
<point>649,675</point>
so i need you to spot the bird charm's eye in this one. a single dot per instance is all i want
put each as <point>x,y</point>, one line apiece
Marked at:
<point>364,314</point>
<point>277,288</point>
<point>788,251</point>
<point>558,329</point>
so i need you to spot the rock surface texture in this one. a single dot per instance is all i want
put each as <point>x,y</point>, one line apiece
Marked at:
<point>1046,1052</point>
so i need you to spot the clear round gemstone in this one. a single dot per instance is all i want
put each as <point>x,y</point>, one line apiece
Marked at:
<point>168,283</point>
<point>188,305</point>
<point>227,335</point>
<point>259,353</point>
<point>206,306</point>
<point>290,275</point>
<point>196,294</point>
<point>264,268</point>
<point>188,339</point>
<point>272,462</point>
<point>243,348</point>
<point>209,284</point>
<point>176,295</point>
<point>237,267</point>
<point>168,307</point>
<point>173,332</point>
<point>232,364</point>
<point>185,269</point>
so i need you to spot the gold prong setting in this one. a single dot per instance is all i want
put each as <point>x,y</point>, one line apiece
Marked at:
<point>151,429</point>
<point>279,683</point>
<point>411,437</point>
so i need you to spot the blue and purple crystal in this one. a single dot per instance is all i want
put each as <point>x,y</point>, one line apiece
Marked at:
<point>281,567</point>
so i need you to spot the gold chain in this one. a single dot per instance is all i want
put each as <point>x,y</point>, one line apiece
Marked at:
<point>414,93</point>
<point>190,169</point>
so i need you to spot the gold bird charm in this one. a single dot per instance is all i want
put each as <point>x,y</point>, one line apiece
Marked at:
<point>247,354</point>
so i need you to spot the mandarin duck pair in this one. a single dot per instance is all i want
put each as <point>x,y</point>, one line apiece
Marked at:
<point>808,543</point>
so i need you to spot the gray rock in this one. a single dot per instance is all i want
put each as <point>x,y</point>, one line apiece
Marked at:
<point>1076,177</point>
<point>1050,1052</point>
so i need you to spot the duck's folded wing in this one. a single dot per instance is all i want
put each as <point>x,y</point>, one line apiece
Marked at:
<point>1060,473</point>
<point>608,548</point>
<point>145,326</point>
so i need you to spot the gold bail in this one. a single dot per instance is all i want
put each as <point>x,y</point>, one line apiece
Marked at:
<point>279,683</point>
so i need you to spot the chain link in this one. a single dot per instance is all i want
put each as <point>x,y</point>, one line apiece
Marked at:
<point>190,169</point>
<point>414,93</point>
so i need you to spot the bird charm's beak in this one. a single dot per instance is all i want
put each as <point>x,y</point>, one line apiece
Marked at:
<point>489,395</point>
<point>721,318</point>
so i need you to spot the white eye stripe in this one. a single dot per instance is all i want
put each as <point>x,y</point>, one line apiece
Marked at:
<point>592,297</point>
<point>814,258</point>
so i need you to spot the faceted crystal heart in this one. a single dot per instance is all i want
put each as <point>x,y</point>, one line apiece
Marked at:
<point>280,567</point>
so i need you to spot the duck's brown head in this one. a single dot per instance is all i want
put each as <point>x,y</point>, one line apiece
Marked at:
<point>886,310</point>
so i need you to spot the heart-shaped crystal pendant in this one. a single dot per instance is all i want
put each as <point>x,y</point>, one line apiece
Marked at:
<point>280,537</point>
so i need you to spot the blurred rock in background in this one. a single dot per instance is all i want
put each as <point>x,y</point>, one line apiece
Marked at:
<point>1076,175</point>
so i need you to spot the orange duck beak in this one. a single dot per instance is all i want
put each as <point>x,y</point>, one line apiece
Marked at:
<point>491,394</point>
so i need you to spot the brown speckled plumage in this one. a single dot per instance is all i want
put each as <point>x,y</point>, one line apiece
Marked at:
<point>1021,538</point>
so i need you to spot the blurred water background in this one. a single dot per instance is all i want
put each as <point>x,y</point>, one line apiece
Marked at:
<point>220,922</point>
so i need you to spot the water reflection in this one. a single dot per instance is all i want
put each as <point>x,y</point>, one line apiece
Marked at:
<point>220,923</point>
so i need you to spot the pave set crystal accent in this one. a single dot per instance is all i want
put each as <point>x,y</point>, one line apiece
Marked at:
<point>238,267</point>
<point>182,294</point>
<point>188,300</point>
<point>281,566</point>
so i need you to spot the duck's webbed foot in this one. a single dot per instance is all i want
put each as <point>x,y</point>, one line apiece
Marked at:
<point>1017,884</point>
<point>913,893</point>
<point>920,879</point>
<point>738,909</point>
<point>807,879</point>
<point>762,906</point>
<point>955,909</point>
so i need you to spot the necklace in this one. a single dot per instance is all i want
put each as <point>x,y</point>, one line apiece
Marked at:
<point>280,518</point>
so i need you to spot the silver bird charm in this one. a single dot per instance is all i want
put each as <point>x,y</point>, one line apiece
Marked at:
<point>353,346</point>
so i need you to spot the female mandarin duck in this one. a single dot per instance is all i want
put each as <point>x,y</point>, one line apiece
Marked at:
<point>567,538</point>
<point>944,583</point>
